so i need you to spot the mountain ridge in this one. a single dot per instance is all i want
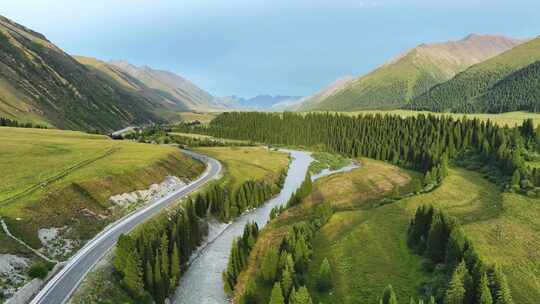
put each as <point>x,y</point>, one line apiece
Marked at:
<point>397,81</point>
<point>459,93</point>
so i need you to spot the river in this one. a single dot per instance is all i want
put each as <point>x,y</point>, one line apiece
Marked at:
<point>202,284</point>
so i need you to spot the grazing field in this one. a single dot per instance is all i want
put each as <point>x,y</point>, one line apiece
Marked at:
<point>365,242</point>
<point>55,178</point>
<point>504,227</point>
<point>510,119</point>
<point>248,163</point>
<point>356,234</point>
<point>325,160</point>
<point>203,117</point>
<point>202,136</point>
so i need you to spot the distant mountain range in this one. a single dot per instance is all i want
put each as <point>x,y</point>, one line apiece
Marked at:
<point>263,102</point>
<point>397,82</point>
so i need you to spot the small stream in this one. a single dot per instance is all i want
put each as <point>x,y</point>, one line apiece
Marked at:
<point>202,284</point>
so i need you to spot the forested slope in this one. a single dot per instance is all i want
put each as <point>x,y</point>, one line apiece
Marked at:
<point>518,92</point>
<point>461,93</point>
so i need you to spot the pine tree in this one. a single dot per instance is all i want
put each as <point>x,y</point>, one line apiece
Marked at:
<point>301,296</point>
<point>500,287</point>
<point>437,238</point>
<point>133,274</point>
<point>286,283</point>
<point>277,295</point>
<point>159,290</point>
<point>175,267</point>
<point>455,294</point>
<point>324,280</point>
<point>269,265</point>
<point>483,293</point>
<point>149,277</point>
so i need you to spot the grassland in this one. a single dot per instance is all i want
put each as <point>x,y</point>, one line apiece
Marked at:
<point>503,226</point>
<point>247,163</point>
<point>204,137</point>
<point>357,234</point>
<point>366,243</point>
<point>54,178</point>
<point>203,117</point>
<point>325,160</point>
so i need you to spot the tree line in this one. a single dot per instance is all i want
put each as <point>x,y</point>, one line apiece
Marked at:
<point>6,122</point>
<point>283,268</point>
<point>150,261</point>
<point>425,143</point>
<point>460,275</point>
<point>238,258</point>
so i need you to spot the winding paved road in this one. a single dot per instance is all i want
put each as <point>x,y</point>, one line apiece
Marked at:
<point>63,284</point>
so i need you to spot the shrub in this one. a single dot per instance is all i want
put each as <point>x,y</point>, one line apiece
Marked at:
<point>39,270</point>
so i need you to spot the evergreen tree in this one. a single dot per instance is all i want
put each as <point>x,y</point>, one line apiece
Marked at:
<point>175,267</point>
<point>287,283</point>
<point>483,293</point>
<point>324,279</point>
<point>301,296</point>
<point>269,265</point>
<point>133,276</point>
<point>500,290</point>
<point>277,295</point>
<point>455,294</point>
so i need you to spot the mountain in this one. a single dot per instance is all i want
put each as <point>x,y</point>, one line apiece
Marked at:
<point>262,102</point>
<point>313,100</point>
<point>468,91</point>
<point>170,87</point>
<point>41,83</point>
<point>398,81</point>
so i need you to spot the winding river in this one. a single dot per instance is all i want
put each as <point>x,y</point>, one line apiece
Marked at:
<point>202,283</point>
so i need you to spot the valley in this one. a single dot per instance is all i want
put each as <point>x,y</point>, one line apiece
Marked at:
<point>387,155</point>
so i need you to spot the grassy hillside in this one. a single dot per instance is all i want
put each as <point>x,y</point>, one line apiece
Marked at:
<point>55,178</point>
<point>168,88</point>
<point>361,261</point>
<point>41,83</point>
<point>365,243</point>
<point>397,82</point>
<point>459,94</point>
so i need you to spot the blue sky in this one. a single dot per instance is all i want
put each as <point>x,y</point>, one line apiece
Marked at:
<point>249,47</point>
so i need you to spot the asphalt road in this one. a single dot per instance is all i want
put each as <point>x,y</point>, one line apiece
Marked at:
<point>64,283</point>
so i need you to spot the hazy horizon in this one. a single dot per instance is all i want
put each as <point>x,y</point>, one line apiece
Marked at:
<point>246,48</point>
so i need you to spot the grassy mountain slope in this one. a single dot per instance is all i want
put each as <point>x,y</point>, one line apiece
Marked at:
<point>169,88</point>
<point>311,101</point>
<point>460,93</point>
<point>398,81</point>
<point>78,173</point>
<point>40,82</point>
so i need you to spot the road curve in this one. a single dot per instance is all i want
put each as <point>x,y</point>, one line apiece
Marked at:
<point>63,284</point>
